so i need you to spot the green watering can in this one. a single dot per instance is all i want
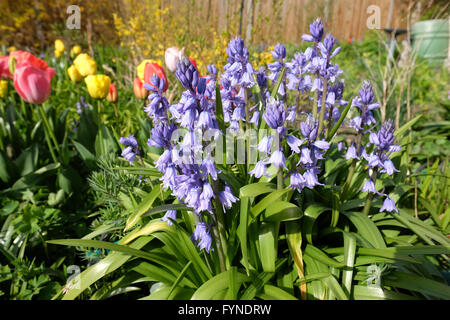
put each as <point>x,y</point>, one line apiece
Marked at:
<point>430,40</point>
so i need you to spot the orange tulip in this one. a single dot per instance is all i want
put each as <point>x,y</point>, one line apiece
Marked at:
<point>139,91</point>
<point>112,93</point>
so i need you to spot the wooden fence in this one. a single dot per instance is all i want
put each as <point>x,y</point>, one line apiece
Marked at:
<point>286,20</point>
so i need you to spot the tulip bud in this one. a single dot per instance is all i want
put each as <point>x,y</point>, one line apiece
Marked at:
<point>152,69</point>
<point>59,48</point>
<point>3,88</point>
<point>74,74</point>
<point>139,91</point>
<point>141,67</point>
<point>98,85</point>
<point>12,65</point>
<point>112,94</point>
<point>76,50</point>
<point>32,83</point>
<point>172,56</point>
<point>85,64</point>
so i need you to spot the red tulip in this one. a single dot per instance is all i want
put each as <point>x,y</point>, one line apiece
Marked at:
<point>139,91</point>
<point>32,83</point>
<point>193,62</point>
<point>24,57</point>
<point>4,68</point>
<point>152,69</point>
<point>112,93</point>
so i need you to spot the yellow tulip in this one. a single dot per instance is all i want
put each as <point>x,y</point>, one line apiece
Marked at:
<point>141,67</point>
<point>74,74</point>
<point>98,85</point>
<point>3,88</point>
<point>76,50</point>
<point>85,64</point>
<point>59,46</point>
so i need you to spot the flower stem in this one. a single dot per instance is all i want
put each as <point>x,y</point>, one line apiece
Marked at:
<point>49,135</point>
<point>322,108</point>
<point>247,128</point>
<point>352,166</point>
<point>280,182</point>
<point>219,228</point>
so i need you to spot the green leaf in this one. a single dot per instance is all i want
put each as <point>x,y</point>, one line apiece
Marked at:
<point>312,212</point>
<point>335,288</point>
<point>105,266</point>
<point>256,189</point>
<point>102,245</point>
<point>268,200</point>
<point>319,255</point>
<point>349,260</point>
<point>216,284</point>
<point>242,231</point>
<point>274,293</point>
<point>34,178</point>
<point>268,236</point>
<point>143,207</point>
<point>376,293</point>
<point>366,228</point>
<point>27,161</point>
<point>282,211</point>
<point>406,126</point>
<point>417,283</point>
<point>165,208</point>
<point>88,158</point>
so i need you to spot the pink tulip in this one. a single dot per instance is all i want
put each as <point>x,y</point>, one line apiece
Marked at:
<point>33,84</point>
<point>172,56</point>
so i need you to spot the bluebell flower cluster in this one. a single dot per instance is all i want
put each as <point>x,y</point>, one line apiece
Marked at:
<point>236,78</point>
<point>305,75</point>
<point>383,146</point>
<point>187,169</point>
<point>279,54</point>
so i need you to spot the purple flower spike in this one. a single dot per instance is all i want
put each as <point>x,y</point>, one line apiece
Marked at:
<point>366,93</point>
<point>386,135</point>
<point>279,52</point>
